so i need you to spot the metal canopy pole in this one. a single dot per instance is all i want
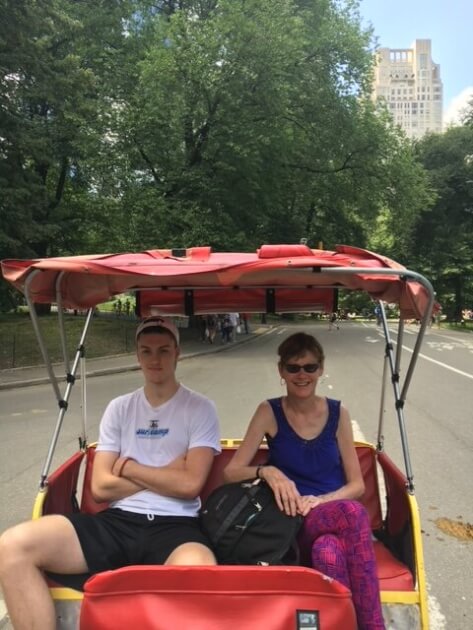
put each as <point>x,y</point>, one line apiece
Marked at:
<point>400,396</point>
<point>406,275</point>
<point>400,337</point>
<point>380,441</point>
<point>60,316</point>
<point>65,353</point>
<point>63,403</point>
<point>398,401</point>
<point>423,327</point>
<point>83,390</point>
<point>39,335</point>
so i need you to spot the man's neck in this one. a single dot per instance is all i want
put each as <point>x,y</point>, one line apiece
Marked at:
<point>157,395</point>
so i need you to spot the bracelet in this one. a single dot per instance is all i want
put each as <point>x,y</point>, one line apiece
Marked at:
<point>258,468</point>
<point>120,470</point>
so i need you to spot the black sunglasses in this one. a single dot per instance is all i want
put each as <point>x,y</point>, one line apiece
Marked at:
<point>294,368</point>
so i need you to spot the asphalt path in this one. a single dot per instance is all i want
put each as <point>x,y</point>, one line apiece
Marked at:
<point>439,414</point>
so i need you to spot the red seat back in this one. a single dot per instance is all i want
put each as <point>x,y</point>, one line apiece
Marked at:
<point>398,512</point>
<point>366,456</point>
<point>215,477</point>
<point>62,486</point>
<point>88,504</point>
<point>212,598</point>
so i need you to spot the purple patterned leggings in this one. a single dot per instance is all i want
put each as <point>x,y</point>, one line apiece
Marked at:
<point>336,540</point>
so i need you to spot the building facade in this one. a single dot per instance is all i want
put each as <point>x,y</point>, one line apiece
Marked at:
<point>408,81</point>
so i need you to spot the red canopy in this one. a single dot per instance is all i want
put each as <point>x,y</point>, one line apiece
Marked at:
<point>279,278</point>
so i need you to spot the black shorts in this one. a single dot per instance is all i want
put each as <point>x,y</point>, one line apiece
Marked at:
<point>115,538</point>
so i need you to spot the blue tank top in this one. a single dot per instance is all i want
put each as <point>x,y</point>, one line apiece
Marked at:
<point>314,465</point>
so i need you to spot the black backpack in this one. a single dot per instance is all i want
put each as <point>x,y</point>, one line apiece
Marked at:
<point>246,526</point>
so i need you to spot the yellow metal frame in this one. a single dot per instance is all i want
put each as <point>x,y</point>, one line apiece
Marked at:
<point>59,593</point>
<point>39,503</point>
<point>419,595</point>
<point>408,598</point>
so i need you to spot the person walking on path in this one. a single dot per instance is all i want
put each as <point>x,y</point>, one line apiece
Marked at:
<point>333,321</point>
<point>155,450</point>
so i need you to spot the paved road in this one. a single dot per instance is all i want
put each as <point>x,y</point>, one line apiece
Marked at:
<point>439,419</point>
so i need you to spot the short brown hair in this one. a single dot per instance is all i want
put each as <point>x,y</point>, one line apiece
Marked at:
<point>298,344</point>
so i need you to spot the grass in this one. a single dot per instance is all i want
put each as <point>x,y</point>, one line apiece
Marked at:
<point>464,325</point>
<point>19,347</point>
<point>108,335</point>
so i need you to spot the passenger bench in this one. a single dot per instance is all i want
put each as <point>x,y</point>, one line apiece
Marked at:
<point>393,574</point>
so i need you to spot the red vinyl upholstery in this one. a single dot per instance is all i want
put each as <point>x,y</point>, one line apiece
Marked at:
<point>392,573</point>
<point>212,598</point>
<point>88,504</point>
<point>62,486</point>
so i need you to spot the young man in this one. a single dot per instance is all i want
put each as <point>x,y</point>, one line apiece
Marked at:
<point>155,451</point>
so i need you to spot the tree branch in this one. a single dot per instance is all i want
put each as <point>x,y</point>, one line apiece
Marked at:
<point>344,167</point>
<point>61,182</point>
<point>147,160</point>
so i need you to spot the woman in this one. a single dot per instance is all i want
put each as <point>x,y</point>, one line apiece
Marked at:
<point>313,470</point>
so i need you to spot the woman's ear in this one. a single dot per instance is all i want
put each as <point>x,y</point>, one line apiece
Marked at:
<point>280,368</point>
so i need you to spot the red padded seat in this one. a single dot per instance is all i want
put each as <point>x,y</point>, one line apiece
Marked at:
<point>392,574</point>
<point>212,598</point>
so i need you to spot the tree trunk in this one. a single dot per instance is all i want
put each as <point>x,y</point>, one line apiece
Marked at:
<point>458,283</point>
<point>42,309</point>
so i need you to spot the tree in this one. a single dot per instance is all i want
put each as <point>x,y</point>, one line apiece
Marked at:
<point>444,233</point>
<point>141,124</point>
<point>251,122</point>
<point>55,55</point>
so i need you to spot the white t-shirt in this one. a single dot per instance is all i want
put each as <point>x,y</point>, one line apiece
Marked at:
<point>154,436</point>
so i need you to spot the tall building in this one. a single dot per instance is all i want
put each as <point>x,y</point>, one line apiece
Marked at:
<point>409,82</point>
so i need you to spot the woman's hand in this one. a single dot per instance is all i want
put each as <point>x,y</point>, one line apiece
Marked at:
<point>307,503</point>
<point>285,491</point>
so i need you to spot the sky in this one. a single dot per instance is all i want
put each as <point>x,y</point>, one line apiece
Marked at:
<point>448,23</point>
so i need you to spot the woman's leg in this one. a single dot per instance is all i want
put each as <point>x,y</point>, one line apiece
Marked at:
<point>349,523</point>
<point>328,555</point>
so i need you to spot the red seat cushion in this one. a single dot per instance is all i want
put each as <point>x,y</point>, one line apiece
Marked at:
<point>212,598</point>
<point>392,574</point>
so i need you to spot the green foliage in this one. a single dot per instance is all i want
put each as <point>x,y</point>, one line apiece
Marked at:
<point>356,302</point>
<point>253,124</point>
<point>137,124</point>
<point>444,232</point>
<point>18,345</point>
<point>53,56</point>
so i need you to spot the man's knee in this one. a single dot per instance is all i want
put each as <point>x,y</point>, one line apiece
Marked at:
<point>194,554</point>
<point>13,547</point>
<point>41,544</point>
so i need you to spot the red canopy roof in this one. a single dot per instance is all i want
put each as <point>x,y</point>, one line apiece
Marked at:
<point>275,278</point>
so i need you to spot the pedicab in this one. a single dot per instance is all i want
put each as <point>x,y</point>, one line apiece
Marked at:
<point>274,279</point>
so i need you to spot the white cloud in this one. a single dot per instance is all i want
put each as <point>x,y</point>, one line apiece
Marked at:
<point>453,113</point>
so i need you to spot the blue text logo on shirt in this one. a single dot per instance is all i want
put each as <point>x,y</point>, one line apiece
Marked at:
<point>151,433</point>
